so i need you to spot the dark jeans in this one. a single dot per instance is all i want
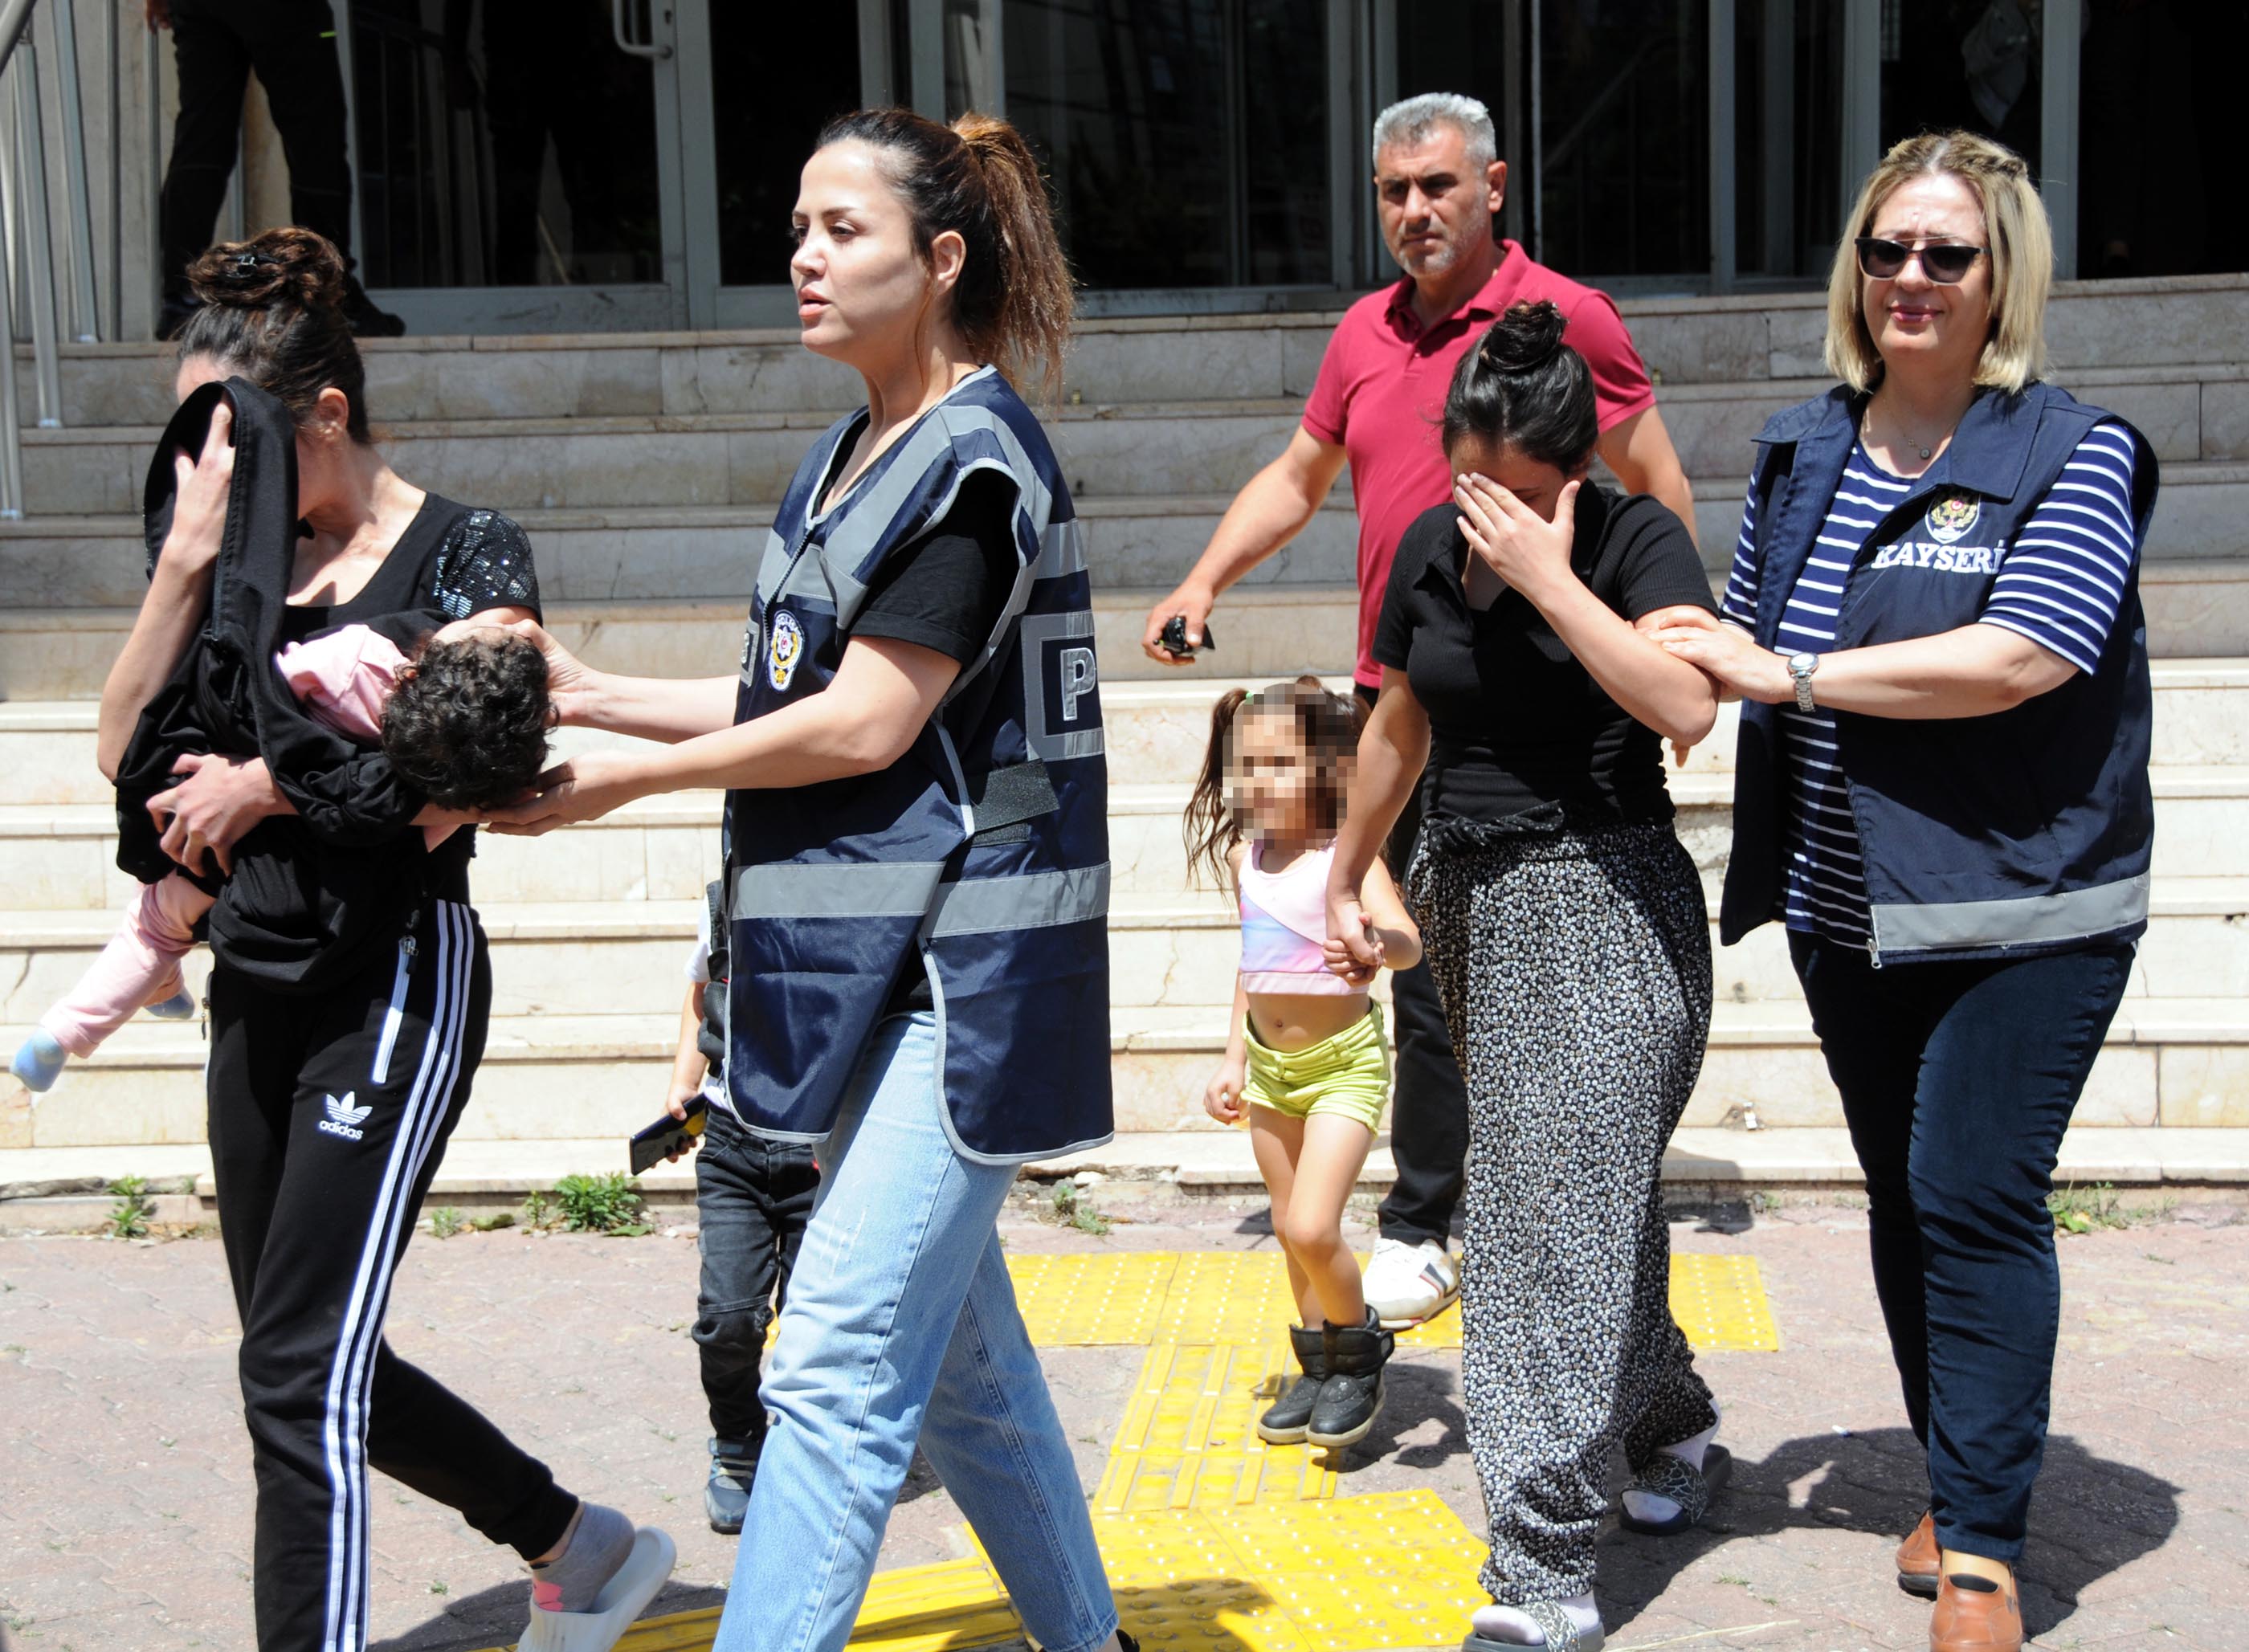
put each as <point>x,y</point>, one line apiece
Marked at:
<point>290,44</point>
<point>754,1197</point>
<point>1958,1079</point>
<point>1429,1103</point>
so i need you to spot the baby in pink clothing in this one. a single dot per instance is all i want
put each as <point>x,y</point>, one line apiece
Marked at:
<point>463,720</point>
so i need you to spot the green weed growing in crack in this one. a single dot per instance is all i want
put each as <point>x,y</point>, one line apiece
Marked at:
<point>128,1217</point>
<point>1073,1208</point>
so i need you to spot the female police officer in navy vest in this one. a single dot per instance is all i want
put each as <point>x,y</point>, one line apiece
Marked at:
<point>917,859</point>
<point>1943,792</point>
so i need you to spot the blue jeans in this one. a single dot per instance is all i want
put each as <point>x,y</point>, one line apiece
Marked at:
<point>901,1326</point>
<point>1958,1079</point>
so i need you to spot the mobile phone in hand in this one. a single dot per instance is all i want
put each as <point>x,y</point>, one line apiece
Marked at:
<point>1174,638</point>
<point>667,1133</point>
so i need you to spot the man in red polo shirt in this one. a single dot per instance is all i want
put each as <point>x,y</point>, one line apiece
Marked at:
<point>1438,185</point>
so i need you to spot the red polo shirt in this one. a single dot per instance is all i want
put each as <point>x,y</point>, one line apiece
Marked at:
<point>1380,394</point>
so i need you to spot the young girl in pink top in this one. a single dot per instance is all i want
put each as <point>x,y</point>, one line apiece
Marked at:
<point>1305,1059</point>
<point>465,721</point>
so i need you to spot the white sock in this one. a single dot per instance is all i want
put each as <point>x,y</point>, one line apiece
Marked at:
<point>1510,1627</point>
<point>1654,1508</point>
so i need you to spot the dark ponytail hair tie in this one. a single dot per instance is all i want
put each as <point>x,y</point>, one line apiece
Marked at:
<point>240,264</point>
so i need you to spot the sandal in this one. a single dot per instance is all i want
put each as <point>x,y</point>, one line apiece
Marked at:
<point>1560,1629</point>
<point>1675,1478</point>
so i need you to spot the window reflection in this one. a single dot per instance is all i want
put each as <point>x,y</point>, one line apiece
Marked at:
<point>804,66</point>
<point>502,143</point>
<point>1186,139</point>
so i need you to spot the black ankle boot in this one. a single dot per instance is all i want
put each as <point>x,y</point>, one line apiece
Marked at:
<point>1352,1394</point>
<point>1286,1419</point>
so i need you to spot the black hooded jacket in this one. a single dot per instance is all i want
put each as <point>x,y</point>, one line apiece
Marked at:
<point>312,897</point>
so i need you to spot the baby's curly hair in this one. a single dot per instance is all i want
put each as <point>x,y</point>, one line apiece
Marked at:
<point>467,723</point>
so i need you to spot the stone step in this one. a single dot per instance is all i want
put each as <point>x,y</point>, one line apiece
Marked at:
<point>2091,327</point>
<point>1158,731</point>
<point>1704,1163</point>
<point>2167,1061</point>
<point>60,856</point>
<point>2202,819</point>
<point>687,552</point>
<point>1138,449</point>
<point>2194,609</point>
<point>572,960</point>
<point>708,552</point>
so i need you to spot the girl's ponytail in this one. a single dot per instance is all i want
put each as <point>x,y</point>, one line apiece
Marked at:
<point>1211,828</point>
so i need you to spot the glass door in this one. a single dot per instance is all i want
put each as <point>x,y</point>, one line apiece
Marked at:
<point>1787,161</point>
<point>519,162</point>
<point>774,76</point>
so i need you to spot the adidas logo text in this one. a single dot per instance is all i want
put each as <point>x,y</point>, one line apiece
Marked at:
<point>343,1118</point>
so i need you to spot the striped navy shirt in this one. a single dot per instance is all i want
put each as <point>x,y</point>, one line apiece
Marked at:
<point>2059,584</point>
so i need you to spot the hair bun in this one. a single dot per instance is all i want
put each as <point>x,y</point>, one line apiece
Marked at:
<point>290,268</point>
<point>1525,338</point>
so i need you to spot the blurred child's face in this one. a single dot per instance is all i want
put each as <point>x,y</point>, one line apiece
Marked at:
<point>1273,778</point>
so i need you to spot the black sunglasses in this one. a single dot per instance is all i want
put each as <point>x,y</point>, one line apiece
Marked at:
<point>1945,263</point>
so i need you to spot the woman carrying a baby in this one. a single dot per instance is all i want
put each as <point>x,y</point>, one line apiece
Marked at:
<point>316,681</point>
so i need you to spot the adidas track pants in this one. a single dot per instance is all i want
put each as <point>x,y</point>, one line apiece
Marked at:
<point>328,1116</point>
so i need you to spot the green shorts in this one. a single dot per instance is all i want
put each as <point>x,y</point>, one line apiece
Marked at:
<point>1347,1075</point>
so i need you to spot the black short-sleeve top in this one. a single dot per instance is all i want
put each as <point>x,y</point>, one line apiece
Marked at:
<point>1516,723</point>
<point>452,561</point>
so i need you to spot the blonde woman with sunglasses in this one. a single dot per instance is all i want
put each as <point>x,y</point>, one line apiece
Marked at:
<point>1942,791</point>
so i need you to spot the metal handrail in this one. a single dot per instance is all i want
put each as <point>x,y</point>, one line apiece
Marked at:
<point>14,18</point>
<point>27,225</point>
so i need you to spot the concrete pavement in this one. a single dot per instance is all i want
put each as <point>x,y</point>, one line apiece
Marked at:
<point>124,1496</point>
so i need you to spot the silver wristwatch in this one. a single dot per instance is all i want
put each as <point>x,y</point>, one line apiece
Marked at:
<point>1800,667</point>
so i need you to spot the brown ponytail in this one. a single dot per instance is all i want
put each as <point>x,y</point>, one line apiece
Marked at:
<point>272,312</point>
<point>978,179</point>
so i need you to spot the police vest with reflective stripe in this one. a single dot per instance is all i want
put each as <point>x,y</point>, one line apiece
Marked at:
<point>2026,831</point>
<point>981,856</point>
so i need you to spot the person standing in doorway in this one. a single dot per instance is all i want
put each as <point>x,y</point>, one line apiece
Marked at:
<point>1438,184</point>
<point>290,44</point>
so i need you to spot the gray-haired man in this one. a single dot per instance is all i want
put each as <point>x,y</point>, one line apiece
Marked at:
<point>1438,184</point>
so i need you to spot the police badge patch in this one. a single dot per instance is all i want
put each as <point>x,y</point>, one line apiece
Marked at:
<point>784,649</point>
<point>1950,518</point>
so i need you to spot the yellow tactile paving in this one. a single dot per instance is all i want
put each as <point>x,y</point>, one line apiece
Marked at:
<point>1085,1301</point>
<point>1720,1303</point>
<point>932,1608</point>
<point>945,1607</point>
<point>1138,1298</point>
<point>1390,1570</point>
<point>1443,1332</point>
<point>1225,1296</point>
<point>1180,1587</point>
<point>1214,1540</point>
<point>1189,1440</point>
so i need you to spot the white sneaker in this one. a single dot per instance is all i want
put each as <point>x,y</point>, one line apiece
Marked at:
<point>639,1580</point>
<point>1408,1284</point>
